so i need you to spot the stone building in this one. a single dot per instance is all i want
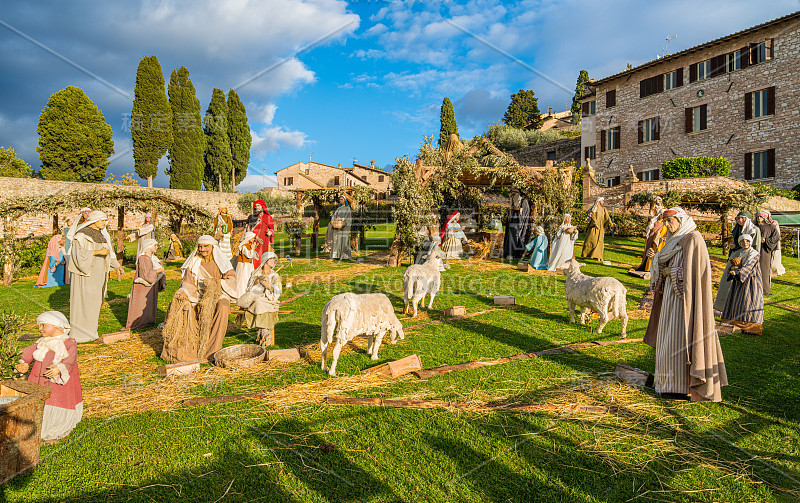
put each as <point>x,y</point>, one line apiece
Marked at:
<point>735,97</point>
<point>315,175</point>
<point>558,151</point>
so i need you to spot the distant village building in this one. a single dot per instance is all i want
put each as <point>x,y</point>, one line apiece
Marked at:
<point>735,97</point>
<point>315,175</point>
<point>558,121</point>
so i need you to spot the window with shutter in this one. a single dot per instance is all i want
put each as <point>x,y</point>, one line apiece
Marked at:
<point>718,65</point>
<point>748,166</point>
<point>771,100</point>
<point>640,129</point>
<point>617,137</point>
<point>748,106</point>
<point>657,128</point>
<point>585,109</point>
<point>692,73</point>
<point>761,165</point>
<point>745,56</point>
<point>611,98</point>
<point>687,120</point>
<point>679,74</point>
<point>770,43</point>
<point>602,140</point>
<point>771,163</point>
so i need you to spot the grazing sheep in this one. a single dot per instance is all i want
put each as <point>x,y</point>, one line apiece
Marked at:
<point>602,294</point>
<point>422,279</point>
<point>348,315</point>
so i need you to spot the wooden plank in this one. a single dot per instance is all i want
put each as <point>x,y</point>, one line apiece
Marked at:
<point>475,364</point>
<point>504,300</point>
<point>436,322</point>
<point>455,311</point>
<point>177,369</point>
<point>114,337</point>
<point>242,311</point>
<point>293,297</point>
<point>639,274</point>
<point>617,341</point>
<point>283,355</point>
<point>397,368</point>
<point>631,375</point>
<point>746,326</point>
<point>478,406</point>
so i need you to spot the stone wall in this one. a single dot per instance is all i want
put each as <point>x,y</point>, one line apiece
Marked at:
<point>38,224</point>
<point>616,197</point>
<point>568,149</point>
<point>728,134</point>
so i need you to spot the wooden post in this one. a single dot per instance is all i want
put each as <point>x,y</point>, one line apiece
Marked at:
<point>362,235</point>
<point>315,226</point>
<point>724,231</point>
<point>120,233</point>
<point>8,235</point>
<point>220,184</point>
<point>233,178</point>
<point>55,224</point>
<point>150,182</point>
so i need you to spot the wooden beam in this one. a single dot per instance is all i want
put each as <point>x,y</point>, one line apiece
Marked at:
<point>397,368</point>
<point>436,322</point>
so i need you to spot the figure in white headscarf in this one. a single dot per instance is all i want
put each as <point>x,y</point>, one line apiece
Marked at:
<point>91,259</point>
<point>54,359</point>
<point>538,248</point>
<point>261,300</point>
<point>597,219</point>
<point>746,300</point>
<point>744,225</point>
<point>148,281</point>
<point>244,264</point>
<point>564,243</point>
<point>681,327</point>
<point>197,317</point>
<point>146,231</point>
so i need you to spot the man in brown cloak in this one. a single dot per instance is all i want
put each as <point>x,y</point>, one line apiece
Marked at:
<point>197,318</point>
<point>597,219</point>
<point>681,327</point>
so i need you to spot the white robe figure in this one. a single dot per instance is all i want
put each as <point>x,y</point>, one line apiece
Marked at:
<point>244,266</point>
<point>563,244</point>
<point>146,231</point>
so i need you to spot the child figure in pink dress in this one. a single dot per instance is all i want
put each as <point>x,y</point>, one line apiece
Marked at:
<point>54,358</point>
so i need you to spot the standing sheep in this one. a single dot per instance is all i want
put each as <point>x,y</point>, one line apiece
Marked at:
<point>348,315</point>
<point>422,279</point>
<point>602,294</point>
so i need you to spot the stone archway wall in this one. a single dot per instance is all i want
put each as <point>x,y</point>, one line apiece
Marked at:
<point>40,224</point>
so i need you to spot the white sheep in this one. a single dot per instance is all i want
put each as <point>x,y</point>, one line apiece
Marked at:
<point>348,315</point>
<point>602,294</point>
<point>422,279</point>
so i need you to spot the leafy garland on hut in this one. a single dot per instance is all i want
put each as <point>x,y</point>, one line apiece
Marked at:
<point>420,192</point>
<point>134,200</point>
<point>721,201</point>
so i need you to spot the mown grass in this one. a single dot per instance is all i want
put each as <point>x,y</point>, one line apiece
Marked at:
<point>743,449</point>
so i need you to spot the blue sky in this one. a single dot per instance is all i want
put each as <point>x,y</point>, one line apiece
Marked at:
<point>359,80</point>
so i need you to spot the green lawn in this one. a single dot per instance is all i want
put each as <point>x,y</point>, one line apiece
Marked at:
<point>746,448</point>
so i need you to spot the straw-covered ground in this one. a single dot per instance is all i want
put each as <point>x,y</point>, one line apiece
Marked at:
<point>139,441</point>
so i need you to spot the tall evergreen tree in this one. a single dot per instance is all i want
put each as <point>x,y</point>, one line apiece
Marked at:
<point>151,119</point>
<point>186,164</point>
<point>238,135</point>
<point>12,166</point>
<point>74,138</point>
<point>448,121</point>
<point>523,111</point>
<point>218,147</point>
<point>580,90</point>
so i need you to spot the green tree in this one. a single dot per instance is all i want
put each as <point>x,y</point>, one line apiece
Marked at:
<point>151,119</point>
<point>74,138</point>
<point>186,164</point>
<point>218,147</point>
<point>523,111</point>
<point>580,90</point>
<point>448,121</point>
<point>12,166</point>
<point>239,136</point>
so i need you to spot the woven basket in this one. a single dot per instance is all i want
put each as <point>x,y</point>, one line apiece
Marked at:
<point>338,223</point>
<point>239,356</point>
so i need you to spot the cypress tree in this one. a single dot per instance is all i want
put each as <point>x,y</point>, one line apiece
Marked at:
<point>523,111</point>
<point>448,121</point>
<point>186,162</point>
<point>218,148</point>
<point>74,138</point>
<point>580,90</point>
<point>151,119</point>
<point>238,135</point>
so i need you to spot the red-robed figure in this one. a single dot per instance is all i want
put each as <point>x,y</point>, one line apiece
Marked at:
<point>260,223</point>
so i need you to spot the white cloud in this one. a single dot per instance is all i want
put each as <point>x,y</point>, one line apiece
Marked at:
<point>272,138</point>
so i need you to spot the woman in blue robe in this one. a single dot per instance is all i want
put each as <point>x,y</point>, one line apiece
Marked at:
<point>52,272</point>
<point>538,248</point>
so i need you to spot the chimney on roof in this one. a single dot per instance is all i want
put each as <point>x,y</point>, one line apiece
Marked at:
<point>371,164</point>
<point>339,165</point>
